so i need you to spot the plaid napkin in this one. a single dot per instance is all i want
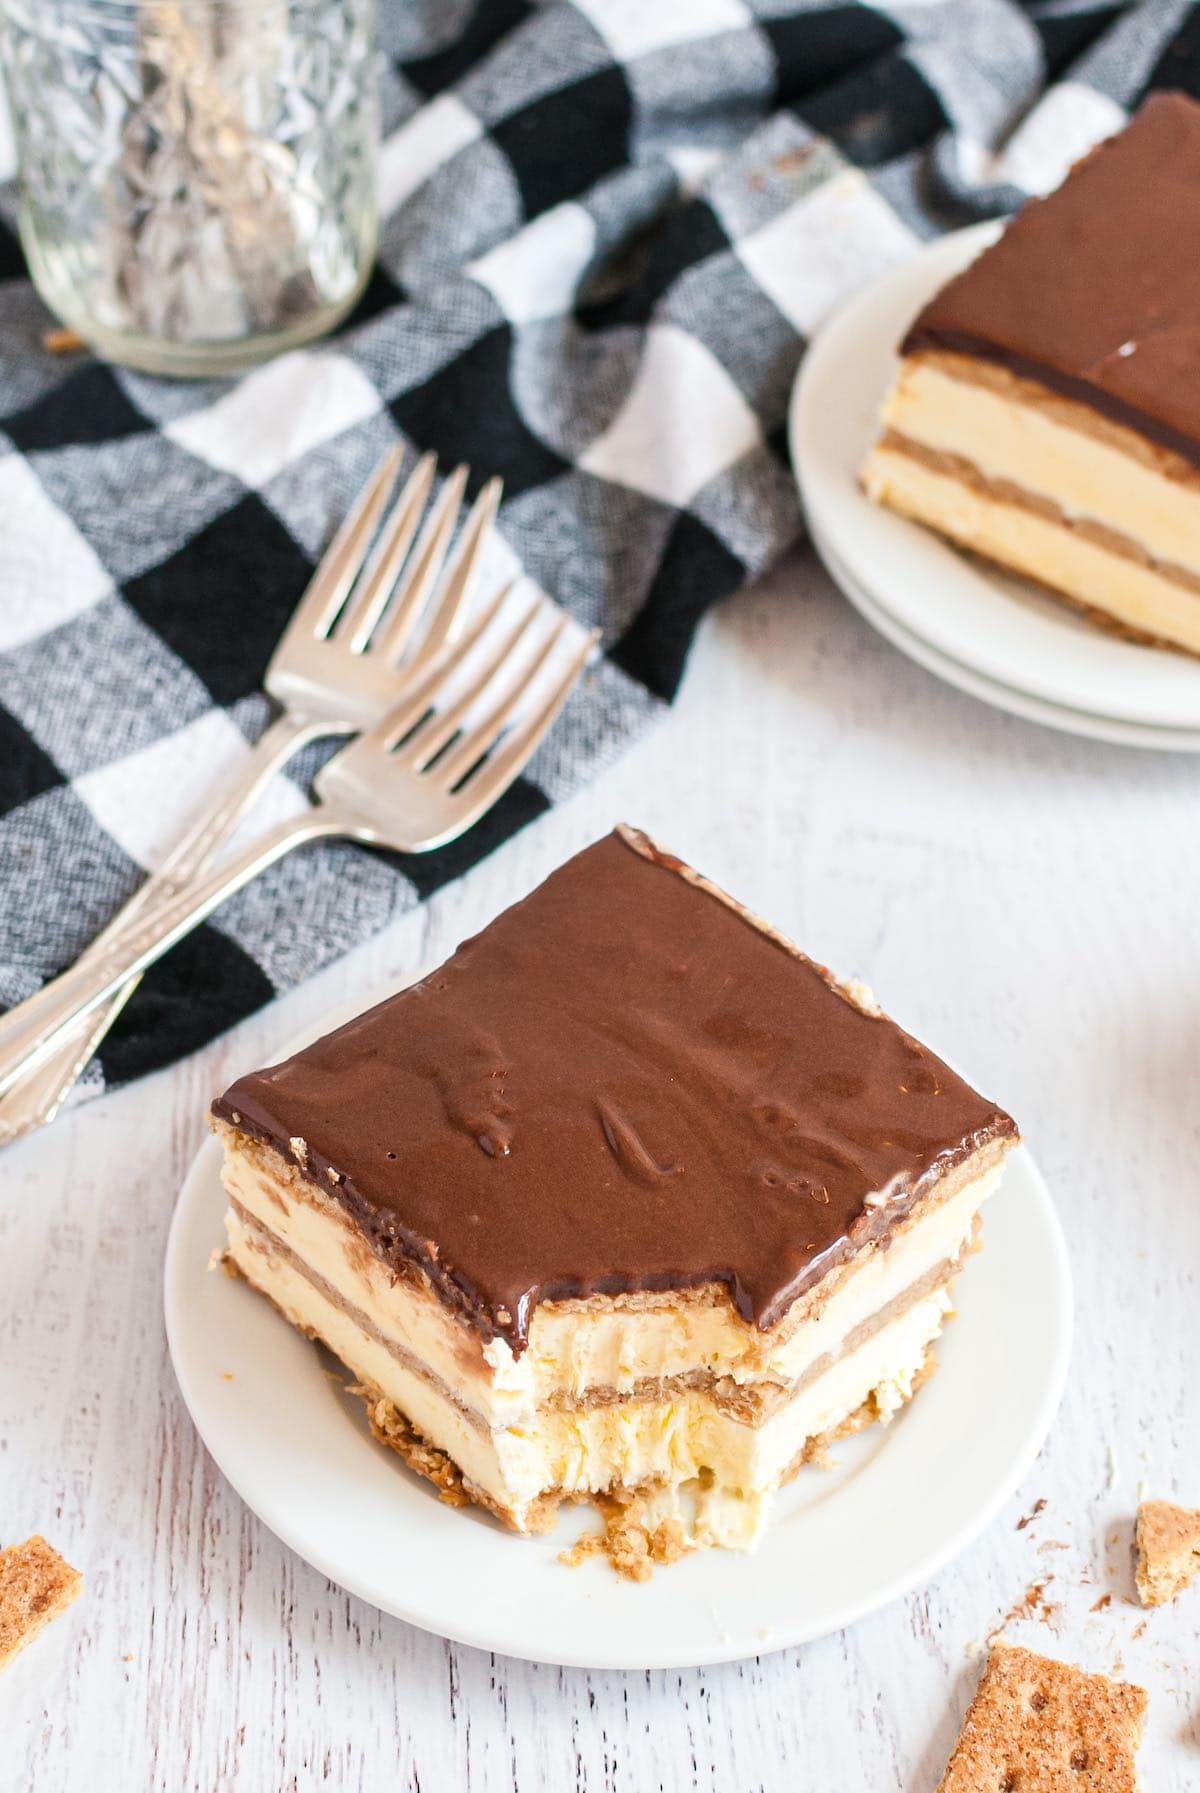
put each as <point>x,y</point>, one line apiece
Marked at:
<point>609,229</point>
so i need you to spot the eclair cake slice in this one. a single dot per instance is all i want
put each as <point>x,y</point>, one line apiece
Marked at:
<point>1046,410</point>
<point>630,1195</point>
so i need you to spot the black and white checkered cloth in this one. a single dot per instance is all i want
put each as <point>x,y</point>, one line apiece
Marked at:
<point>609,229</point>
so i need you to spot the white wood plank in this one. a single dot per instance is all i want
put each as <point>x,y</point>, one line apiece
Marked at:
<point>1027,902</point>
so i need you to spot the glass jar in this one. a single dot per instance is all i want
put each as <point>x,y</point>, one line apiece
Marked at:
<point>197,177</point>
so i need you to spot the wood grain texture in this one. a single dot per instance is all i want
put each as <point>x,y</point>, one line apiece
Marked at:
<point>1025,901</point>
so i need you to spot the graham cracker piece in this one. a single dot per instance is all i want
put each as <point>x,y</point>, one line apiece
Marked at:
<point>1168,1550</point>
<point>1039,1726</point>
<point>634,1540</point>
<point>36,1584</point>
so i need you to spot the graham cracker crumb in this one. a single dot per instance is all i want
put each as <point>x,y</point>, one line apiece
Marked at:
<point>1039,1506</point>
<point>1039,1726</point>
<point>36,1585</point>
<point>1168,1550</point>
<point>586,1544</point>
<point>634,1543</point>
<point>62,341</point>
<point>391,1428</point>
<point>1101,1604</point>
<point>1033,1604</point>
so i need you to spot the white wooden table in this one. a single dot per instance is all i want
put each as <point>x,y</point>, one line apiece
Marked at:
<point>1026,901</point>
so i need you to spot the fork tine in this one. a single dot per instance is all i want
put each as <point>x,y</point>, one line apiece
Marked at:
<point>495,775</point>
<point>486,732</point>
<point>396,724</point>
<point>369,598</point>
<point>425,563</point>
<point>457,581</point>
<point>433,734</point>
<point>345,554</point>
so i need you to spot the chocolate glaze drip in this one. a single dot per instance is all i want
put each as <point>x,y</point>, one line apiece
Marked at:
<point>624,1083</point>
<point>631,1153</point>
<point>1095,290</point>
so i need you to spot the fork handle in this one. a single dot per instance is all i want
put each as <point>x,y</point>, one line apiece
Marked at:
<point>283,737</point>
<point>80,990</point>
<point>187,860</point>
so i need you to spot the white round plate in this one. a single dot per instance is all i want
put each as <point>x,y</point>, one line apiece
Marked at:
<point>1018,703</point>
<point>1000,627</point>
<point>899,1503</point>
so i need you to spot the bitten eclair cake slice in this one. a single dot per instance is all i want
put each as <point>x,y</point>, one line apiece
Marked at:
<point>630,1194</point>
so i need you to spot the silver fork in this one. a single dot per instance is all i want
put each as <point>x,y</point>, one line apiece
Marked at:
<point>337,668</point>
<point>421,777</point>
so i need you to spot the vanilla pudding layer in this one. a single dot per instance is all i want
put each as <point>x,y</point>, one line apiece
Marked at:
<point>673,1392</point>
<point>1136,600</point>
<point>608,1347</point>
<point>1046,487</point>
<point>1053,448</point>
<point>716,1473</point>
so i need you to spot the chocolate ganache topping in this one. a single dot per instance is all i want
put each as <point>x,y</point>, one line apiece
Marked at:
<point>624,1083</point>
<point>1095,290</point>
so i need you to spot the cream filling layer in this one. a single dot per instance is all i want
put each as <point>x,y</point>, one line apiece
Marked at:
<point>727,1470</point>
<point>573,1350</point>
<point>1084,475</point>
<point>1034,545</point>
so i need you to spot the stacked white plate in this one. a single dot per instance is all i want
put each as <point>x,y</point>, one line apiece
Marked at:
<point>995,637</point>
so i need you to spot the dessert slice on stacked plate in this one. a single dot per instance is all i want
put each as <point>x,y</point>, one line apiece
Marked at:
<point>1042,416</point>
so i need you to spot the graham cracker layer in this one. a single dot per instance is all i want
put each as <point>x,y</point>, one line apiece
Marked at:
<point>868,1413</point>
<point>1066,413</point>
<point>632,1540</point>
<point>1007,491</point>
<point>636,1541</point>
<point>994,556</point>
<point>295,1187</point>
<point>749,1404</point>
<point>270,1245</point>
